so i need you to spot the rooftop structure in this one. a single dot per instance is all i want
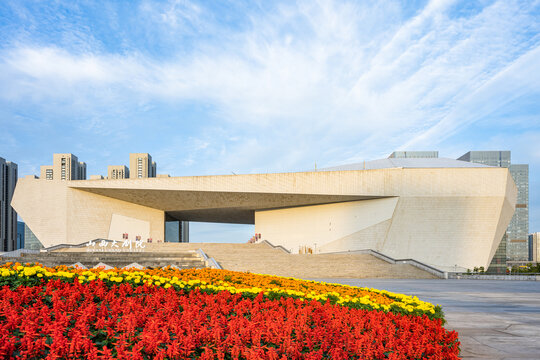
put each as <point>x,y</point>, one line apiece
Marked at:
<point>414,154</point>
<point>405,163</point>
<point>491,158</point>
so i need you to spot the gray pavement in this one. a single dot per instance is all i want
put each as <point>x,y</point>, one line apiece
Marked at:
<point>495,319</point>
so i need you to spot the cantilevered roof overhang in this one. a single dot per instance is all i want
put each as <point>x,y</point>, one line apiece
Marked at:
<point>236,198</point>
<point>217,206</point>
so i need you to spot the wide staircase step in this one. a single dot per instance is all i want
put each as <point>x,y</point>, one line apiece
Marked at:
<point>263,259</point>
<point>256,258</point>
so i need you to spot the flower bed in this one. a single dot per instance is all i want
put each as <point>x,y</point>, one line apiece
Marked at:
<point>208,314</point>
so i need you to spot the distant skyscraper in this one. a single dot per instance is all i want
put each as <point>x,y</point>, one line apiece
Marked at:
<point>8,216</point>
<point>490,158</point>
<point>518,229</point>
<point>117,172</point>
<point>534,248</point>
<point>414,154</point>
<point>64,167</point>
<point>141,166</point>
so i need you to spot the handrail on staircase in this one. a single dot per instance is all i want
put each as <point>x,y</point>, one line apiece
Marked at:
<point>210,261</point>
<point>274,246</point>
<point>430,269</point>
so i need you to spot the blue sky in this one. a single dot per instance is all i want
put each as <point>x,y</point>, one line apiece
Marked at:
<point>267,86</point>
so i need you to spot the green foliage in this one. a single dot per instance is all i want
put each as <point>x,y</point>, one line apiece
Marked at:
<point>530,268</point>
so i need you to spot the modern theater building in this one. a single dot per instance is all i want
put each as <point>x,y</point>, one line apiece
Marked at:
<point>443,212</point>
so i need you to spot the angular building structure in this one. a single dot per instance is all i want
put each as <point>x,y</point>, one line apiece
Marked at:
<point>446,213</point>
<point>515,245</point>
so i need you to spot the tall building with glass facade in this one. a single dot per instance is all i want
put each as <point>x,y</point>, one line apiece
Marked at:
<point>8,216</point>
<point>490,158</point>
<point>518,230</point>
<point>516,245</point>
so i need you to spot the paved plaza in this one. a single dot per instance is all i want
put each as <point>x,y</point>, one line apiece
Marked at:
<point>495,319</point>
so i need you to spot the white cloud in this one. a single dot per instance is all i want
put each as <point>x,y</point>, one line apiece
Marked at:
<point>346,76</point>
<point>296,83</point>
<point>520,78</point>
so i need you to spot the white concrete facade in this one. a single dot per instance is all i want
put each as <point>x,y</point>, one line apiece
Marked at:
<point>445,217</point>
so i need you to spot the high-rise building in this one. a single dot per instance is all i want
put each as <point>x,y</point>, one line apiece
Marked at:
<point>518,229</point>
<point>117,172</point>
<point>534,247</point>
<point>82,171</point>
<point>8,216</point>
<point>64,167</point>
<point>490,158</point>
<point>141,166</point>
<point>414,154</point>
<point>516,245</point>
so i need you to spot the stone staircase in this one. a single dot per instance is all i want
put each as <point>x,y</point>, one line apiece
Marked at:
<point>184,259</point>
<point>264,259</point>
<point>258,258</point>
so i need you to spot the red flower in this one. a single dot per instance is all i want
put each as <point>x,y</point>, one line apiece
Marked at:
<point>92,321</point>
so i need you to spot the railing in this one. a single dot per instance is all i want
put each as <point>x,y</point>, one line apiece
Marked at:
<point>210,261</point>
<point>84,244</point>
<point>279,247</point>
<point>430,269</point>
<point>513,277</point>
